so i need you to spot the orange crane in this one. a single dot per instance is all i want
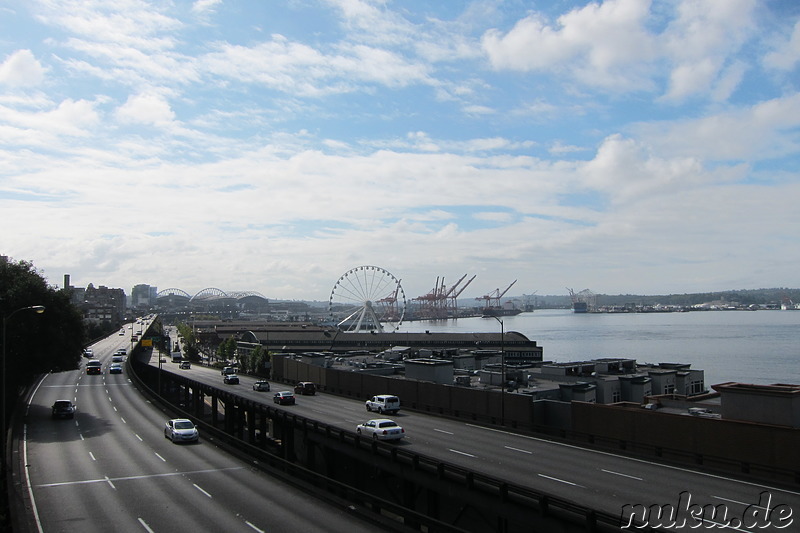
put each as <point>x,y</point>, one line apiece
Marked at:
<point>453,294</point>
<point>494,297</point>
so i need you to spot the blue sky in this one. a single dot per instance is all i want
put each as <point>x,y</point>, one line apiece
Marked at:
<point>625,146</point>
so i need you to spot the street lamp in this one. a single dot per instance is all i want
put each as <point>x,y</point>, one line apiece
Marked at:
<point>39,309</point>
<point>502,372</point>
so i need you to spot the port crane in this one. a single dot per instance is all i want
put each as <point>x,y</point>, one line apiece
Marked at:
<point>494,297</point>
<point>441,301</point>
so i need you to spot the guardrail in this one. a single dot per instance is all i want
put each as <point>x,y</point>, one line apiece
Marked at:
<point>495,495</point>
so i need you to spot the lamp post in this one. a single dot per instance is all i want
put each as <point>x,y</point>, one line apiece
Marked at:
<point>39,309</point>
<point>502,372</point>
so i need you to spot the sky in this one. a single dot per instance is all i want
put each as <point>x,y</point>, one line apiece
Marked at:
<point>624,146</point>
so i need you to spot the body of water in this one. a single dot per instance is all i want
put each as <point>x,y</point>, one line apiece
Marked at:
<point>760,347</point>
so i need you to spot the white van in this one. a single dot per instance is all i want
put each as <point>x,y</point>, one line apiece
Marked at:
<point>384,403</point>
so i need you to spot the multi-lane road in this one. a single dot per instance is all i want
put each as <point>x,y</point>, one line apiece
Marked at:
<point>112,467</point>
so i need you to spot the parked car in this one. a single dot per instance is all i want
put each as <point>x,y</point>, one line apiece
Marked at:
<point>305,388</point>
<point>231,379</point>
<point>94,367</point>
<point>63,409</point>
<point>262,386</point>
<point>383,403</point>
<point>185,365</point>
<point>381,429</point>
<point>115,368</point>
<point>181,430</point>
<point>284,398</point>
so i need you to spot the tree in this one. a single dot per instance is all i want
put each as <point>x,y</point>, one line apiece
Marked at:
<point>190,349</point>
<point>36,343</point>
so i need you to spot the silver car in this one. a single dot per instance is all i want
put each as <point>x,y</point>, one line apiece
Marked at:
<point>381,429</point>
<point>181,430</point>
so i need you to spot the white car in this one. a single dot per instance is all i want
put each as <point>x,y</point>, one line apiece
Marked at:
<point>181,430</point>
<point>384,403</point>
<point>381,429</point>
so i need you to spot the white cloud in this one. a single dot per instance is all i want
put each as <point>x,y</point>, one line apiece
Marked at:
<point>603,45</point>
<point>150,109</point>
<point>21,69</point>
<point>787,53</point>
<point>702,39</point>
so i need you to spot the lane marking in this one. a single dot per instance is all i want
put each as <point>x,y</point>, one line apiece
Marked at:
<point>138,437</point>
<point>201,490</point>
<point>111,483</point>
<point>633,459</point>
<point>561,481</point>
<point>148,476</point>
<point>735,501</point>
<point>160,457</point>
<point>253,526</point>
<point>462,453</point>
<point>621,474</point>
<point>92,456</point>
<point>123,420</point>
<point>518,450</point>
<point>443,431</point>
<point>145,526</point>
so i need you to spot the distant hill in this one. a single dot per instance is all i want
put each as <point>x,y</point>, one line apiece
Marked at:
<point>743,297</point>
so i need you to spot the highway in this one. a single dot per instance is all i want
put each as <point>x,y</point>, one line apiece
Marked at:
<point>111,469</point>
<point>600,480</point>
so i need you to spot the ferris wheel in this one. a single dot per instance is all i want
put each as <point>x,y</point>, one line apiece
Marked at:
<point>366,299</point>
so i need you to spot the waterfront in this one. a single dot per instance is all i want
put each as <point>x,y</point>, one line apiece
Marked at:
<point>746,346</point>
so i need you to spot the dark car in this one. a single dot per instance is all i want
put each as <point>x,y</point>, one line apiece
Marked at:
<point>305,388</point>
<point>231,379</point>
<point>284,398</point>
<point>63,409</point>
<point>261,386</point>
<point>94,367</point>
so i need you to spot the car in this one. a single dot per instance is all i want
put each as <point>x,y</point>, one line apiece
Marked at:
<point>117,358</point>
<point>181,430</point>
<point>284,398</point>
<point>121,332</point>
<point>115,368</point>
<point>88,352</point>
<point>381,429</point>
<point>185,365</point>
<point>94,367</point>
<point>122,351</point>
<point>383,403</point>
<point>231,379</point>
<point>305,388</point>
<point>262,386</point>
<point>228,370</point>
<point>63,409</point>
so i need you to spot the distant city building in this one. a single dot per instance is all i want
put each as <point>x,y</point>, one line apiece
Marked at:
<point>143,296</point>
<point>103,304</point>
<point>98,304</point>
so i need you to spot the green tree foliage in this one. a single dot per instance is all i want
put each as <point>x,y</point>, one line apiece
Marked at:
<point>189,343</point>
<point>227,349</point>
<point>36,343</point>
